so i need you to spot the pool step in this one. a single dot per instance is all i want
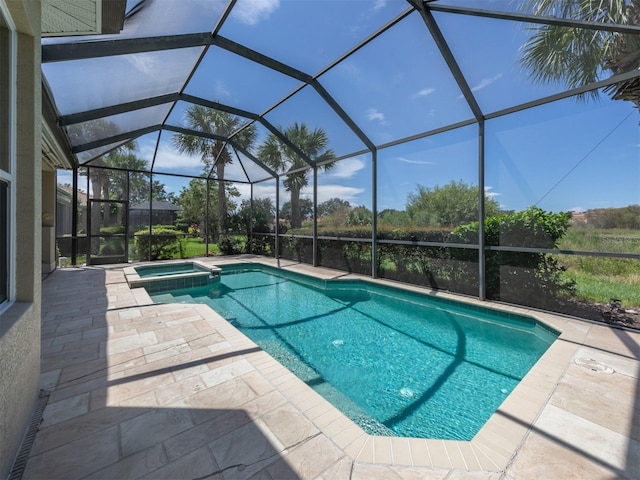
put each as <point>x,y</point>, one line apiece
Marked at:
<point>164,298</point>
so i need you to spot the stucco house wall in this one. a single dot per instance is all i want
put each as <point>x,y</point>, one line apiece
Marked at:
<point>20,323</point>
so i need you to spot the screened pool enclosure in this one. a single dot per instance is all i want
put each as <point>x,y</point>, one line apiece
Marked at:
<point>484,148</point>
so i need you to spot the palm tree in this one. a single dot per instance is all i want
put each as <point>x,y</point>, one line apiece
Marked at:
<point>579,56</point>
<point>222,124</point>
<point>275,153</point>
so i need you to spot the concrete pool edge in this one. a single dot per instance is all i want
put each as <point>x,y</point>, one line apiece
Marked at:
<point>134,280</point>
<point>493,447</point>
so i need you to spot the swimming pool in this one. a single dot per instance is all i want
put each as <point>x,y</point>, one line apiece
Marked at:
<point>396,362</point>
<point>162,270</point>
<point>165,276</point>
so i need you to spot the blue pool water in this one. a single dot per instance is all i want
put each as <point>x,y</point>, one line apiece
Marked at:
<point>395,362</point>
<point>168,269</point>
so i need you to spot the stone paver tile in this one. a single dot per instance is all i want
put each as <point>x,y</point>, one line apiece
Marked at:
<point>462,475</point>
<point>133,466</point>
<point>130,342</point>
<point>57,412</point>
<point>373,472</point>
<point>469,456</point>
<point>229,395</point>
<point>289,425</point>
<point>49,380</point>
<point>604,404</point>
<point>120,390</point>
<point>258,383</point>
<point>455,455</point>
<point>485,460</point>
<point>64,358</point>
<point>331,415</point>
<point>307,460</point>
<point>540,458</point>
<point>337,426</point>
<point>198,464</point>
<point>415,473</point>
<point>621,342</point>
<point>221,374</point>
<point>77,388</point>
<point>401,451</point>
<point>144,400</point>
<point>438,454</point>
<point>382,450</point>
<point>220,424</point>
<point>82,372</point>
<point>174,392</point>
<point>348,435</point>
<point>319,409</point>
<point>245,451</point>
<point>354,449</point>
<point>340,470</point>
<point>419,452</point>
<point>78,325</point>
<point>264,404</point>
<point>68,338</point>
<point>76,459</point>
<point>599,443</point>
<point>152,427</point>
<point>81,427</point>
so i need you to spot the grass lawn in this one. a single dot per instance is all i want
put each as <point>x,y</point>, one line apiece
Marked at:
<point>599,279</point>
<point>195,247</point>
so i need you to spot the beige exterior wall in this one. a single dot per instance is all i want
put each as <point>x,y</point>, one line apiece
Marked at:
<point>20,324</point>
<point>48,216</point>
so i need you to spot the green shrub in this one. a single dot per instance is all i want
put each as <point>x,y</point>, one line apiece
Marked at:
<point>118,230</point>
<point>230,245</point>
<point>165,243</point>
<point>528,278</point>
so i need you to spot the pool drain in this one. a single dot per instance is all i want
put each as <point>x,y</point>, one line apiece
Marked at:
<point>593,365</point>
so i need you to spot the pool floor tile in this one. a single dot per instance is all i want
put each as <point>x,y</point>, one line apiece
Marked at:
<point>174,391</point>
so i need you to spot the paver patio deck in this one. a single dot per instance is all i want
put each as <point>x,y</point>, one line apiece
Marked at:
<point>138,390</point>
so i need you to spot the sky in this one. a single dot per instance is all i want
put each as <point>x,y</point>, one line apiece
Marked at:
<point>567,155</point>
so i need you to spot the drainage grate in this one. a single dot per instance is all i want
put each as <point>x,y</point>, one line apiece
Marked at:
<point>25,449</point>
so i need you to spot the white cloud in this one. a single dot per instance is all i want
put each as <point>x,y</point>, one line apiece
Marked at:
<point>327,192</point>
<point>490,194</point>
<point>220,90</point>
<point>379,5</point>
<point>169,159</point>
<point>415,162</point>
<point>424,92</point>
<point>375,115</point>
<point>577,210</point>
<point>143,62</point>
<point>346,168</point>
<point>250,12</point>
<point>64,177</point>
<point>485,82</point>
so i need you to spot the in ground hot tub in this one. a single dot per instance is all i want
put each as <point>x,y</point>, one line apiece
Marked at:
<point>171,275</point>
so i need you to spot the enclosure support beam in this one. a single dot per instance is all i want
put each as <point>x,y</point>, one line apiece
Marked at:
<point>276,254</point>
<point>206,216</point>
<point>250,239</point>
<point>315,216</point>
<point>482,254</point>
<point>374,214</point>
<point>74,218</point>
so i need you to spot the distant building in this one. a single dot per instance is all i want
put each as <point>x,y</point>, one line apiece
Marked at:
<point>64,210</point>
<point>162,213</point>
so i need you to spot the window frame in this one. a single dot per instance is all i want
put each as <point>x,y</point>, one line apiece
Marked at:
<point>8,216</point>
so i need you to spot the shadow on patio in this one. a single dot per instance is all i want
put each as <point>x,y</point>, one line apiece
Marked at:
<point>153,391</point>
